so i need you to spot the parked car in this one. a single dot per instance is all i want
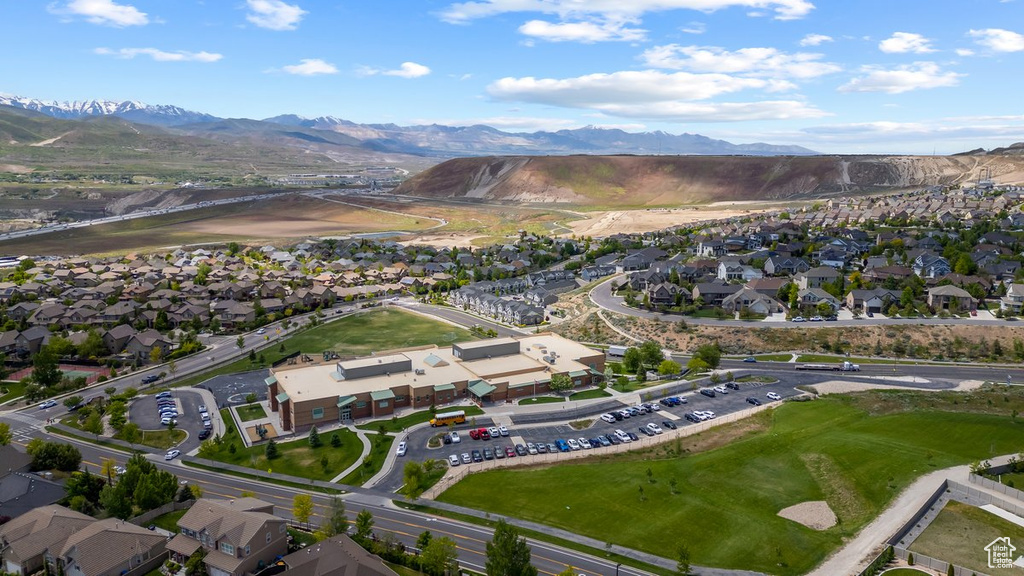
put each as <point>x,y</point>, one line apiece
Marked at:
<point>816,319</point>
<point>453,460</point>
<point>669,424</point>
<point>708,392</point>
<point>474,434</point>
<point>485,434</point>
<point>690,416</point>
<point>608,418</point>
<point>799,319</point>
<point>447,438</point>
<point>604,440</point>
<point>773,396</point>
<point>511,452</point>
<point>164,394</point>
<point>646,431</point>
<point>172,454</point>
<point>613,439</point>
<point>521,450</point>
<point>466,459</point>
<point>563,446</point>
<point>531,448</point>
<point>754,401</point>
<point>202,408</point>
<point>477,457</point>
<point>502,430</point>
<point>542,448</point>
<point>499,452</point>
<point>632,436</point>
<point>455,438</point>
<point>732,385</point>
<point>573,444</point>
<point>167,421</point>
<point>488,454</point>
<point>584,443</point>
<point>401,449</point>
<point>721,389</point>
<point>493,432</point>
<point>205,434</point>
<point>654,428</point>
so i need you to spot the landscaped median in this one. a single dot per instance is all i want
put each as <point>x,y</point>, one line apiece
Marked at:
<point>720,491</point>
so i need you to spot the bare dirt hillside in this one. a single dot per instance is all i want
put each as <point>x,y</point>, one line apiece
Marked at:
<point>675,180</point>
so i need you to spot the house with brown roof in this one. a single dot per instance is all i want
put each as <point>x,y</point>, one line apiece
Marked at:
<point>110,547</point>
<point>240,536</point>
<point>26,540</point>
<point>337,556</point>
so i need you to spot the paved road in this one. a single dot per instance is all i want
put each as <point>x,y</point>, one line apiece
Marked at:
<point>603,297</point>
<point>924,371</point>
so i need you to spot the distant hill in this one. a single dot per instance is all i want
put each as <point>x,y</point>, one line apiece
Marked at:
<point>162,115</point>
<point>680,180</point>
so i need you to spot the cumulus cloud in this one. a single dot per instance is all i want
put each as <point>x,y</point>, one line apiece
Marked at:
<point>998,40</point>
<point>903,42</point>
<point>916,76</point>
<point>463,12</point>
<point>103,12</point>
<point>406,70</point>
<point>815,40</point>
<point>274,14</point>
<point>651,94</point>
<point>762,62</point>
<point>310,67</point>
<point>585,32</point>
<point>160,55</point>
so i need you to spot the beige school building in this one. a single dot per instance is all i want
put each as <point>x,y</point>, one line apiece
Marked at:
<point>484,371</point>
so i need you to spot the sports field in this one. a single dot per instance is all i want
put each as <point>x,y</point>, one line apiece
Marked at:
<point>720,492</point>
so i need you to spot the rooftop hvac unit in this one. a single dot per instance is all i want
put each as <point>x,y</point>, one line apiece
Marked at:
<point>420,371</point>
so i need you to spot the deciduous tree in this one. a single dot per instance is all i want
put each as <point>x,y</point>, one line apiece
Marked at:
<point>507,553</point>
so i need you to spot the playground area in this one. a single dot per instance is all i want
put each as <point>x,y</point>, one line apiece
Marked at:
<point>253,432</point>
<point>90,373</point>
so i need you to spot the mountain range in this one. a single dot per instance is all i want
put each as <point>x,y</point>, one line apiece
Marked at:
<point>432,140</point>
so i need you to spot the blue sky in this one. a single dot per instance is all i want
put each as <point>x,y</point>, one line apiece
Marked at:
<point>894,76</point>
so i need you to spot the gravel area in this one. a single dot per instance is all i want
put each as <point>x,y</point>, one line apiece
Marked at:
<point>816,514</point>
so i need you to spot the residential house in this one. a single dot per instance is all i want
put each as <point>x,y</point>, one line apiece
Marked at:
<point>812,297</point>
<point>874,301</point>
<point>1013,300</point>
<point>336,556</point>
<point>951,297</point>
<point>141,345</point>
<point>111,547</point>
<point>751,301</point>
<point>239,536</point>
<point>664,294</point>
<point>931,266</point>
<point>712,293</point>
<point>20,491</point>
<point>785,266</point>
<point>711,248</point>
<point>591,273</point>
<point>26,541</point>
<point>816,277</point>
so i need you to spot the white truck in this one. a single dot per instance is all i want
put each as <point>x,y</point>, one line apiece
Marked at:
<point>841,367</point>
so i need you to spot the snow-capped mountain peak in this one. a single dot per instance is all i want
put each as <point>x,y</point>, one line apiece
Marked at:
<point>133,110</point>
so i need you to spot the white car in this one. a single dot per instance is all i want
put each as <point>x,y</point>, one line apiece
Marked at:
<point>453,460</point>
<point>608,418</point>
<point>466,459</point>
<point>493,431</point>
<point>118,470</point>
<point>261,331</point>
<point>202,408</point>
<point>711,415</point>
<point>502,430</point>
<point>654,428</point>
<point>531,448</point>
<point>721,389</point>
<point>172,454</point>
<point>47,404</point>
<point>573,444</point>
<point>584,443</point>
<point>773,396</point>
<point>455,437</point>
<point>401,449</point>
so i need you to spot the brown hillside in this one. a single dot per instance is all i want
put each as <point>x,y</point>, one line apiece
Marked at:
<point>675,180</point>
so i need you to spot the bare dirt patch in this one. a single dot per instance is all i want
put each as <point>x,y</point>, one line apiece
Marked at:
<point>629,221</point>
<point>15,168</point>
<point>816,514</point>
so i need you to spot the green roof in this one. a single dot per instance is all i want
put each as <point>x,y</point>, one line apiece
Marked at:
<point>345,401</point>
<point>443,387</point>
<point>282,397</point>
<point>270,380</point>
<point>577,374</point>
<point>382,395</point>
<point>481,388</point>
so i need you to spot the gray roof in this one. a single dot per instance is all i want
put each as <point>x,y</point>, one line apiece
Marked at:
<point>338,556</point>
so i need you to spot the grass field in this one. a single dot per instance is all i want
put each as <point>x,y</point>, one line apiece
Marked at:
<point>758,378</point>
<point>372,463</point>
<point>356,335</point>
<point>960,533</point>
<point>169,521</point>
<point>734,479</point>
<point>403,422</point>
<point>589,394</point>
<point>250,412</point>
<point>295,458</point>
<point>160,439</point>
<point>13,390</point>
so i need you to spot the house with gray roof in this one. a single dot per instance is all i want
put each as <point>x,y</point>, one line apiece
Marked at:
<point>240,536</point>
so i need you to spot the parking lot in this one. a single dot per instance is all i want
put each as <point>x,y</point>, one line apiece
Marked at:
<point>721,404</point>
<point>144,411</point>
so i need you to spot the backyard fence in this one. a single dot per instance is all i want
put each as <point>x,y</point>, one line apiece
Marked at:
<point>994,486</point>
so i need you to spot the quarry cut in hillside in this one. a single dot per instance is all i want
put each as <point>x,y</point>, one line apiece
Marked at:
<point>677,180</point>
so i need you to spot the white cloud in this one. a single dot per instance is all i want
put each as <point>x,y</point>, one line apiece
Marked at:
<point>463,12</point>
<point>815,39</point>
<point>762,62</point>
<point>516,123</point>
<point>104,12</point>
<point>916,76</point>
<point>903,42</point>
<point>310,67</point>
<point>650,94</point>
<point>998,40</point>
<point>964,52</point>
<point>585,32</point>
<point>694,28</point>
<point>406,70</point>
<point>274,14</point>
<point>160,55</point>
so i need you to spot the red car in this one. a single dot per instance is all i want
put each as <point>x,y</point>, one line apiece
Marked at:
<point>510,452</point>
<point>484,434</point>
<point>474,434</point>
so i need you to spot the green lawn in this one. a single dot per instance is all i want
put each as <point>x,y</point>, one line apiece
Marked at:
<point>737,477</point>
<point>169,521</point>
<point>772,357</point>
<point>960,533</point>
<point>1011,480</point>
<point>13,390</point>
<point>372,464</point>
<point>757,378</point>
<point>905,572</point>
<point>589,394</point>
<point>403,422</point>
<point>250,412</point>
<point>159,439</point>
<point>356,335</point>
<point>296,458</point>
<point>301,536</point>
<point>541,400</point>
